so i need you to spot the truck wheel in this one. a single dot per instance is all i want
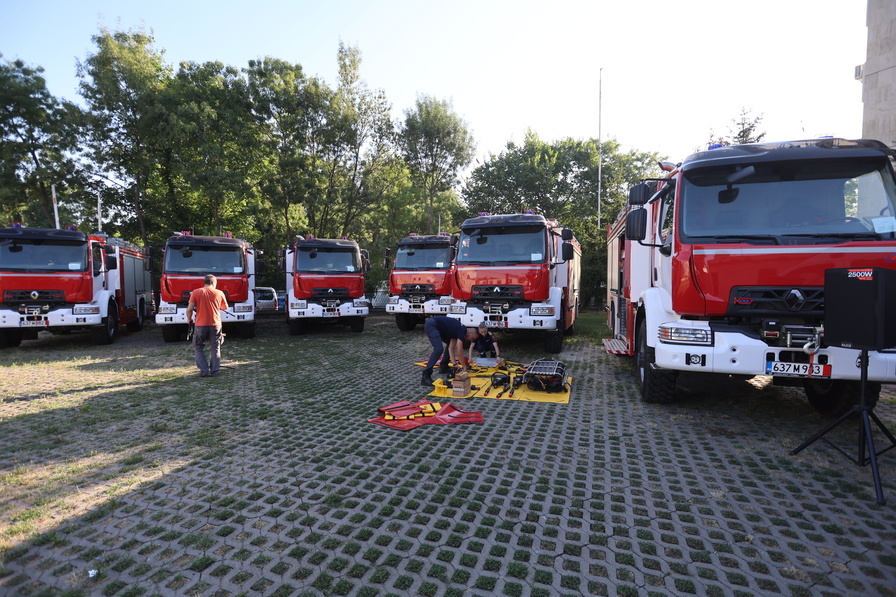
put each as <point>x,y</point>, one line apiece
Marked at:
<point>11,338</point>
<point>405,322</point>
<point>836,396</point>
<point>105,332</point>
<point>136,326</point>
<point>357,324</point>
<point>655,385</point>
<point>247,329</point>
<point>170,333</point>
<point>295,327</point>
<point>553,341</point>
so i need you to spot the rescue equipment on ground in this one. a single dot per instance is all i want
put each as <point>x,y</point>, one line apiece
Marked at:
<point>546,375</point>
<point>404,415</point>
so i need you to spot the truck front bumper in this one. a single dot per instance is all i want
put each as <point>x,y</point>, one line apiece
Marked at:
<point>315,310</point>
<point>430,307</point>
<point>515,319</point>
<point>42,321</point>
<point>179,315</point>
<point>737,354</point>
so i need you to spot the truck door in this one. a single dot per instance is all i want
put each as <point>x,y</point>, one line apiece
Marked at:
<point>98,269</point>
<point>665,235</point>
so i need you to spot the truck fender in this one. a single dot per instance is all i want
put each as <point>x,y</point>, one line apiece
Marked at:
<point>102,299</point>
<point>655,304</point>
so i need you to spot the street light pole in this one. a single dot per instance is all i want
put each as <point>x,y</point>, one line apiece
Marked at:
<point>600,148</point>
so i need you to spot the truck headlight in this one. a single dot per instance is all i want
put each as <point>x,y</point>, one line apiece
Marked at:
<point>541,310</point>
<point>299,305</point>
<point>683,335</point>
<point>242,309</point>
<point>445,300</point>
<point>458,308</point>
<point>86,310</point>
<point>392,300</point>
<point>168,309</point>
<point>359,303</point>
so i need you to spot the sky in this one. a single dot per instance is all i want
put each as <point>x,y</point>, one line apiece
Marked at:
<point>656,76</point>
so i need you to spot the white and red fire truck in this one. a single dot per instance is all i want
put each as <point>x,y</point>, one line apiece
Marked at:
<point>325,283</point>
<point>186,262</point>
<point>518,272</point>
<point>420,280</point>
<point>60,280</point>
<point>720,266</point>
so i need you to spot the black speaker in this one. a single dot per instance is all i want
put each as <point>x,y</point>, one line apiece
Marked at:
<point>860,307</point>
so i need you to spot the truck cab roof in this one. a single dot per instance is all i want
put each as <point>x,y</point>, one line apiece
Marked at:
<point>810,149</point>
<point>506,220</point>
<point>207,241</point>
<point>44,233</point>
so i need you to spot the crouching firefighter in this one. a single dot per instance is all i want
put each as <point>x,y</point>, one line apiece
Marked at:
<point>442,330</point>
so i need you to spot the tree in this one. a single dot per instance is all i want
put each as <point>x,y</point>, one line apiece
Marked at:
<point>437,144</point>
<point>743,129</point>
<point>38,146</point>
<point>121,84</point>
<point>560,181</point>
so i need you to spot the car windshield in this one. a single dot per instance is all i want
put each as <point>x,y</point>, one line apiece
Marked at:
<point>318,259</point>
<point>37,255</point>
<point>421,257</point>
<point>188,259</point>
<point>789,202</point>
<point>502,245</point>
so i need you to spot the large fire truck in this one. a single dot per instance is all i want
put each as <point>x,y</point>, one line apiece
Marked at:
<point>420,280</point>
<point>719,267</point>
<point>518,272</point>
<point>60,280</point>
<point>186,262</point>
<point>325,283</point>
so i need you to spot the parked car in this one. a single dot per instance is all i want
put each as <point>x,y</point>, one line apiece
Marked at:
<point>265,299</point>
<point>281,300</point>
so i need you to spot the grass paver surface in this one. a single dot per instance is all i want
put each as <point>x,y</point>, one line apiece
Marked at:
<point>124,473</point>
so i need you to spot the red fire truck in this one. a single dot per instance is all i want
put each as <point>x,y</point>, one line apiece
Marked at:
<point>420,280</point>
<point>64,280</point>
<point>186,262</point>
<point>518,272</point>
<point>719,267</point>
<point>325,283</point>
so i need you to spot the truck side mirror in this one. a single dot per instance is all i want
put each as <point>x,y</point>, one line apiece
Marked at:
<point>111,262</point>
<point>452,252</point>
<point>109,249</point>
<point>566,234</point>
<point>386,252</point>
<point>639,194</point>
<point>454,240</point>
<point>567,252</point>
<point>636,225</point>
<point>148,251</point>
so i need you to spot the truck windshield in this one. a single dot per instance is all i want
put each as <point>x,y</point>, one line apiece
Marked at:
<point>417,257</point>
<point>191,259</point>
<point>815,201</point>
<point>502,245</point>
<point>37,255</point>
<point>320,259</point>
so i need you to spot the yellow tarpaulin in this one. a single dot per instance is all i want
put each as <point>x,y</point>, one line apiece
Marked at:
<point>481,379</point>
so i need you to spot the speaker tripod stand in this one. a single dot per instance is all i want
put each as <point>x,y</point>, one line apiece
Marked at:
<point>866,440</point>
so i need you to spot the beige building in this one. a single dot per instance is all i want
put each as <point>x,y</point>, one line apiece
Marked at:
<point>878,74</point>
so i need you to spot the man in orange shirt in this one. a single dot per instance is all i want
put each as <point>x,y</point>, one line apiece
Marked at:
<point>207,302</point>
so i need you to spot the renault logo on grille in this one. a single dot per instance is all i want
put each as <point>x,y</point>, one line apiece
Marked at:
<point>497,289</point>
<point>795,300</point>
<point>35,295</point>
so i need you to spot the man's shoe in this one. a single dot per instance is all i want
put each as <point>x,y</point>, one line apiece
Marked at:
<point>215,374</point>
<point>427,379</point>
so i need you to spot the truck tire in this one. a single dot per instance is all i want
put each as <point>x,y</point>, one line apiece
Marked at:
<point>836,396</point>
<point>405,322</point>
<point>553,341</point>
<point>137,325</point>
<point>295,327</point>
<point>357,324</point>
<point>11,338</point>
<point>655,385</point>
<point>170,333</point>
<point>106,332</point>
<point>247,329</point>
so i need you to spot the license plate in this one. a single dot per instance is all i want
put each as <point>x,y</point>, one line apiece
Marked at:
<point>797,369</point>
<point>331,313</point>
<point>494,324</point>
<point>33,324</point>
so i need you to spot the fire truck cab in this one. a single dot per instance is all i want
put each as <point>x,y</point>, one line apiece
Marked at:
<point>420,280</point>
<point>518,272</point>
<point>720,266</point>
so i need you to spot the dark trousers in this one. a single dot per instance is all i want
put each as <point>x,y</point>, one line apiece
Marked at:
<point>439,347</point>
<point>211,334</point>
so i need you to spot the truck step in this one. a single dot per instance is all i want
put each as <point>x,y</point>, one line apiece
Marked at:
<point>616,346</point>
